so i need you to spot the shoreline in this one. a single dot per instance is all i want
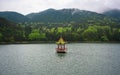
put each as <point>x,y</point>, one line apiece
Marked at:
<point>53,42</point>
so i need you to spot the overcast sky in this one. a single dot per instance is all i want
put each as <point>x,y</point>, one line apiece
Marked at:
<point>28,6</point>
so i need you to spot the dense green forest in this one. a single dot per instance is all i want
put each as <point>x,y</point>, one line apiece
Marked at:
<point>70,31</point>
<point>10,32</point>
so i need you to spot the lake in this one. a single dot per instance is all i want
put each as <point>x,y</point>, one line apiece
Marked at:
<point>42,59</point>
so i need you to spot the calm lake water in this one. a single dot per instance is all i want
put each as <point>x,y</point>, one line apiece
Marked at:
<point>42,59</point>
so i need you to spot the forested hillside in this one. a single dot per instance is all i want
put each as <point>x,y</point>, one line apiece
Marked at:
<point>14,17</point>
<point>9,31</point>
<point>67,15</point>
<point>72,24</point>
<point>113,13</point>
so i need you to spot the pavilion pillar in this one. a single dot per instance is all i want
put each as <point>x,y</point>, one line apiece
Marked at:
<point>58,46</point>
<point>63,46</point>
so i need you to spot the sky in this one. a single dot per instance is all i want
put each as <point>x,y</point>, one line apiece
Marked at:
<point>34,6</point>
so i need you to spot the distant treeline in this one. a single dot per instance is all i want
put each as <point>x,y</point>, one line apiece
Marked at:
<point>52,31</point>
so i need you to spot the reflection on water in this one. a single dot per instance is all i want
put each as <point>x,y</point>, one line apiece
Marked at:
<point>61,55</point>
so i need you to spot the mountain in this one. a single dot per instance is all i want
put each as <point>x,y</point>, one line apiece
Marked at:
<point>14,17</point>
<point>8,30</point>
<point>62,15</point>
<point>113,13</point>
<point>4,21</point>
<point>65,15</point>
<point>31,15</point>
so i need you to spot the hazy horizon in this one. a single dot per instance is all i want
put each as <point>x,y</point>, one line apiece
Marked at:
<point>32,6</point>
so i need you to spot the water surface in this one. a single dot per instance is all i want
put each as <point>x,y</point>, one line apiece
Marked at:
<point>42,59</point>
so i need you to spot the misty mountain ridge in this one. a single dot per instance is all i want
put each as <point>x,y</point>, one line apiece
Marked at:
<point>70,11</point>
<point>113,13</point>
<point>62,15</point>
<point>14,16</point>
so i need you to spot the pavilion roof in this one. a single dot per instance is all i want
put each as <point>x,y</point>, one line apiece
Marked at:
<point>61,41</point>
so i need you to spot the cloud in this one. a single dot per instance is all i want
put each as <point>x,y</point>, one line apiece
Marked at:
<point>28,6</point>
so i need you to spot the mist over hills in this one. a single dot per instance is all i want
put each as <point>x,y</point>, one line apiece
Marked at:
<point>113,13</point>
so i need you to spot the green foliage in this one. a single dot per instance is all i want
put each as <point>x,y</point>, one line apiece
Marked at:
<point>60,30</point>
<point>10,31</point>
<point>90,34</point>
<point>36,35</point>
<point>28,30</point>
<point>91,30</point>
<point>104,38</point>
<point>1,36</point>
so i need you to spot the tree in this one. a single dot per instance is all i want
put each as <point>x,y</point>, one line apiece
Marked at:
<point>116,34</point>
<point>103,32</point>
<point>36,35</point>
<point>90,34</point>
<point>104,38</point>
<point>28,30</point>
<point>1,36</point>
